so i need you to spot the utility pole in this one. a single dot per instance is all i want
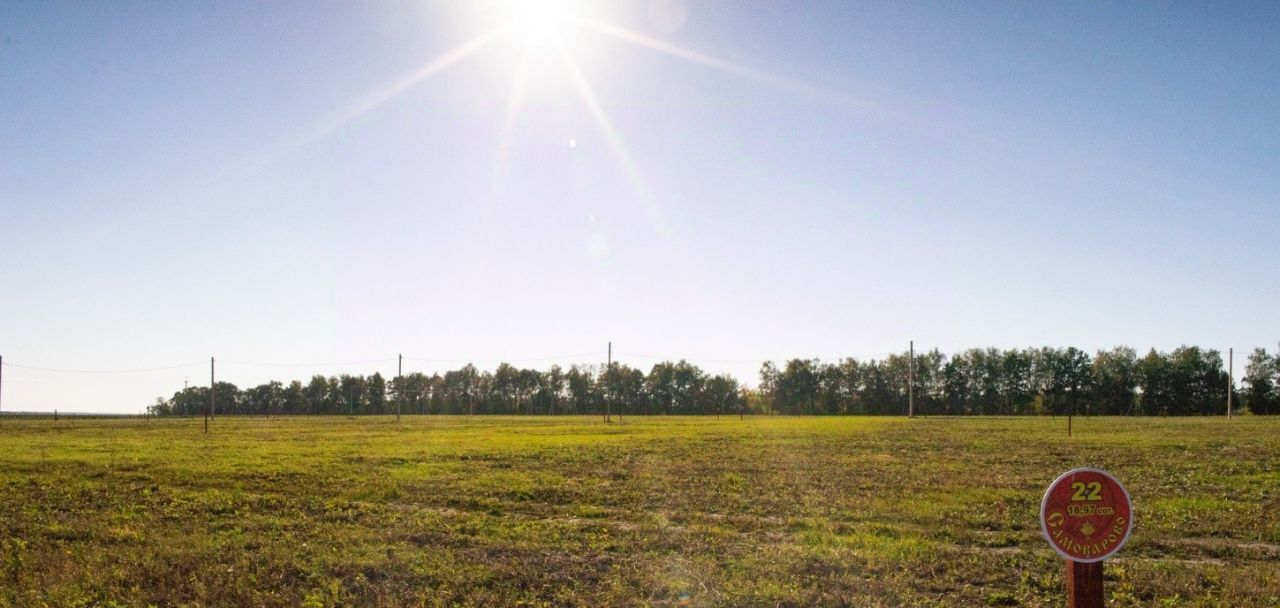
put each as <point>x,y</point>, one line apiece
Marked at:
<point>1231,378</point>
<point>620,407</point>
<point>399,384</point>
<point>911,380</point>
<point>208,412</point>
<point>608,377</point>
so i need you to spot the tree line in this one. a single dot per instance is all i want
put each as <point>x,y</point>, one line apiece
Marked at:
<point>1032,381</point>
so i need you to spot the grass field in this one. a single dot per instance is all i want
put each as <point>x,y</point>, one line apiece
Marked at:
<point>651,512</point>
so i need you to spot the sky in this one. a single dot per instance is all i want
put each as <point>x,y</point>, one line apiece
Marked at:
<point>316,187</point>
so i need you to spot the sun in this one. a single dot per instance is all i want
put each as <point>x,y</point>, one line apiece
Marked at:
<point>538,19</point>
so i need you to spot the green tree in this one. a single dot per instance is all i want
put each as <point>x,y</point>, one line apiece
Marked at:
<point>686,388</point>
<point>797,389</point>
<point>768,388</point>
<point>660,385</point>
<point>1115,380</point>
<point>583,394</point>
<point>554,387</point>
<point>1262,392</point>
<point>1155,384</point>
<point>375,394</point>
<point>723,394</point>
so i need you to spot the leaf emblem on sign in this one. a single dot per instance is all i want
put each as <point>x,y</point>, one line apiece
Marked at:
<point>1088,529</point>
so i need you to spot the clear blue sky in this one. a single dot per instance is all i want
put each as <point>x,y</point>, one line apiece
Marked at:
<point>298,182</point>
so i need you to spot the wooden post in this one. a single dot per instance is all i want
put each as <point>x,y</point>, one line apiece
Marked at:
<point>620,408</point>
<point>1084,585</point>
<point>1231,378</point>
<point>209,410</point>
<point>1,372</point>
<point>608,377</point>
<point>911,380</point>
<point>1068,424</point>
<point>399,384</point>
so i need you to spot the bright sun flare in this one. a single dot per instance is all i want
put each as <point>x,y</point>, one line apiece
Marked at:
<point>545,25</point>
<point>538,19</point>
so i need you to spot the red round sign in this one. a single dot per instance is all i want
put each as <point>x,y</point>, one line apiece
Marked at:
<point>1086,515</point>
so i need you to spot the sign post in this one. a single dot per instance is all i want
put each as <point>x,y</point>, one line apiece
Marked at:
<point>1086,516</point>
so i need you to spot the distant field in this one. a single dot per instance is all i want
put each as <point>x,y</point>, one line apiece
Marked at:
<point>651,512</point>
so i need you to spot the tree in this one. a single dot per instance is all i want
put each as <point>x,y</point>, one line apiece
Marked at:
<point>929,381</point>
<point>768,388</point>
<point>294,399</point>
<point>831,389</point>
<point>226,399</point>
<point>1155,386</point>
<point>723,394</point>
<point>351,394</point>
<point>461,389</point>
<point>161,407</point>
<point>1261,375</point>
<point>1200,381</point>
<point>624,387</point>
<point>875,391</point>
<point>264,399</point>
<point>1115,380</point>
<point>660,384</point>
<point>581,382</point>
<point>506,387</point>
<point>554,387</point>
<point>1015,381</point>
<point>686,387</point>
<point>526,386</point>
<point>1062,378</point>
<point>190,401</point>
<point>316,393</point>
<point>1188,380</point>
<point>375,394</point>
<point>797,389</point>
<point>955,378</point>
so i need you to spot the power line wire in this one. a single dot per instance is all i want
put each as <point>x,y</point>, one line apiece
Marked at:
<point>323,364</point>
<point>102,371</point>
<point>716,360</point>
<point>499,359</point>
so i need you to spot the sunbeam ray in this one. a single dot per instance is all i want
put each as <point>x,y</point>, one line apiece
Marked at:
<point>792,85</point>
<point>514,100</point>
<point>378,97</point>
<point>615,142</point>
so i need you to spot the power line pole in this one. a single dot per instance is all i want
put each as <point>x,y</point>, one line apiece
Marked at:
<point>911,380</point>
<point>208,412</point>
<point>620,407</point>
<point>399,384</point>
<point>1231,378</point>
<point>608,376</point>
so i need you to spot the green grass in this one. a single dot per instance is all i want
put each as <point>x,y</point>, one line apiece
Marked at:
<point>652,512</point>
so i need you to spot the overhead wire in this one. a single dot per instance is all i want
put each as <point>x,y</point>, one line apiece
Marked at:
<point>102,371</point>
<point>312,364</point>
<point>500,359</point>
<point>718,360</point>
